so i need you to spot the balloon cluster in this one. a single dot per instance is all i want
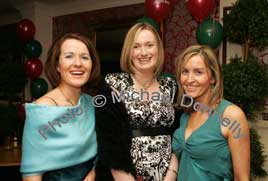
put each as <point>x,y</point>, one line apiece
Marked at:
<point>33,65</point>
<point>209,31</point>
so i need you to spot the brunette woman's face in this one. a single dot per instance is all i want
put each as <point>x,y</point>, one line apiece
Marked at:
<point>144,53</point>
<point>196,78</point>
<point>75,63</point>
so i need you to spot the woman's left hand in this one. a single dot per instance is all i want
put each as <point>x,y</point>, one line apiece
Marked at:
<point>90,176</point>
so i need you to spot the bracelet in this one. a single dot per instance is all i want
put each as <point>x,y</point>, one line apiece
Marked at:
<point>173,171</point>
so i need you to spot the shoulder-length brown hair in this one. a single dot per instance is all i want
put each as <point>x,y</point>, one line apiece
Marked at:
<point>211,62</point>
<point>126,62</point>
<point>53,59</point>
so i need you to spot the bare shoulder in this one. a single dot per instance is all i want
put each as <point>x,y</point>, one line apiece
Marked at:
<point>233,112</point>
<point>47,99</point>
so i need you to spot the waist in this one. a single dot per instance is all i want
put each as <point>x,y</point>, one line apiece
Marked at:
<point>150,132</point>
<point>76,172</point>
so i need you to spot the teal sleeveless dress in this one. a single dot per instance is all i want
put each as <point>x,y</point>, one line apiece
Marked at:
<point>205,155</point>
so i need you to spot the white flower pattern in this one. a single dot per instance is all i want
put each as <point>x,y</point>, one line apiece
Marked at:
<point>151,154</point>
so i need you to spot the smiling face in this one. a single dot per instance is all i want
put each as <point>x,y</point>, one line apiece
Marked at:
<point>74,63</point>
<point>196,79</point>
<point>144,54</point>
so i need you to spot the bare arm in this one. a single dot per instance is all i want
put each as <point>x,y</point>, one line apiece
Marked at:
<point>122,176</point>
<point>239,143</point>
<point>172,171</point>
<point>33,178</point>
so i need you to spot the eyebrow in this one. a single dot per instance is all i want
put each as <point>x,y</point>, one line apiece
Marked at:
<point>199,68</point>
<point>73,53</point>
<point>145,42</point>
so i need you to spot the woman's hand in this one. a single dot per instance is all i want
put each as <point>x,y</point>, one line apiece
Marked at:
<point>33,178</point>
<point>90,176</point>
<point>171,175</point>
<point>122,176</point>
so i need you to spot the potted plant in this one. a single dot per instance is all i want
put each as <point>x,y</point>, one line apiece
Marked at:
<point>247,24</point>
<point>246,79</point>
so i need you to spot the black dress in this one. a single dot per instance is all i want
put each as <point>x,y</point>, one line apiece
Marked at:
<point>149,155</point>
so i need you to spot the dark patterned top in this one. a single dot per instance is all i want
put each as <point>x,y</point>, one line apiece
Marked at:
<point>151,154</point>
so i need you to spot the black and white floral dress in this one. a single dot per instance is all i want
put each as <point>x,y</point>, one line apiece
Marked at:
<point>150,154</point>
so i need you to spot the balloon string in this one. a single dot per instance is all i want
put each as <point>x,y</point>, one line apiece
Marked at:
<point>216,10</point>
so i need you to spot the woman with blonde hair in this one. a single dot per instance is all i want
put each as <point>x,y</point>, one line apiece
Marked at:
<point>135,125</point>
<point>212,142</point>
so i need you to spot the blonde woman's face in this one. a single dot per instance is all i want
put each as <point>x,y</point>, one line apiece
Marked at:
<point>196,78</point>
<point>144,53</point>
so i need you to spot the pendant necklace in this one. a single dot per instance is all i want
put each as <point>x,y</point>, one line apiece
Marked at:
<point>145,85</point>
<point>66,99</point>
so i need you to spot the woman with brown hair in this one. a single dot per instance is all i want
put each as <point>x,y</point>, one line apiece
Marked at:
<point>59,139</point>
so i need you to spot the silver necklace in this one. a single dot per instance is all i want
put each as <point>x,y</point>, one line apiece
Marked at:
<point>145,85</point>
<point>66,99</point>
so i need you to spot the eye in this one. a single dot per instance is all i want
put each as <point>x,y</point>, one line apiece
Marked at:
<point>150,45</point>
<point>86,57</point>
<point>184,72</point>
<point>136,46</point>
<point>68,56</point>
<point>198,72</point>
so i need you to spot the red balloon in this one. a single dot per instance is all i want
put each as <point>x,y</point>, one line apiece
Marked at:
<point>33,68</point>
<point>157,9</point>
<point>25,29</point>
<point>200,9</point>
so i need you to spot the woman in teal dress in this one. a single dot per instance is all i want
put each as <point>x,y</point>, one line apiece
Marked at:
<point>59,138</point>
<point>212,143</point>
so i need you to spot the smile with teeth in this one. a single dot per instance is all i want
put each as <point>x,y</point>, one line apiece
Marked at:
<point>77,72</point>
<point>144,60</point>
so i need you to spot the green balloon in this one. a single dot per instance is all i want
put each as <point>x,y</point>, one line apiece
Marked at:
<point>38,87</point>
<point>209,32</point>
<point>33,49</point>
<point>168,74</point>
<point>146,19</point>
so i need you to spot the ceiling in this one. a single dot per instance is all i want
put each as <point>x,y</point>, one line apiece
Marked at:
<point>9,6</point>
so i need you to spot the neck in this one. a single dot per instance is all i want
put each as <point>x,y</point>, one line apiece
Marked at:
<point>70,93</point>
<point>204,99</point>
<point>145,80</point>
<point>143,77</point>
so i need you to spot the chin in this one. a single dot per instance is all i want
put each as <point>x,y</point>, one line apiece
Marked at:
<point>191,94</point>
<point>77,84</point>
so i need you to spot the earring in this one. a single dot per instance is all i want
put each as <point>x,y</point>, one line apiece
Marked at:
<point>212,87</point>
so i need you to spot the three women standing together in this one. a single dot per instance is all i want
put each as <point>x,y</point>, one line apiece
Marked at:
<point>134,128</point>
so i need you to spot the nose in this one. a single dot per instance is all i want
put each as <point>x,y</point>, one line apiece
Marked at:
<point>190,77</point>
<point>143,50</point>
<point>77,61</point>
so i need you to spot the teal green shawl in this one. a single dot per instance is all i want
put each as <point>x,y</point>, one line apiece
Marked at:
<point>56,137</point>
